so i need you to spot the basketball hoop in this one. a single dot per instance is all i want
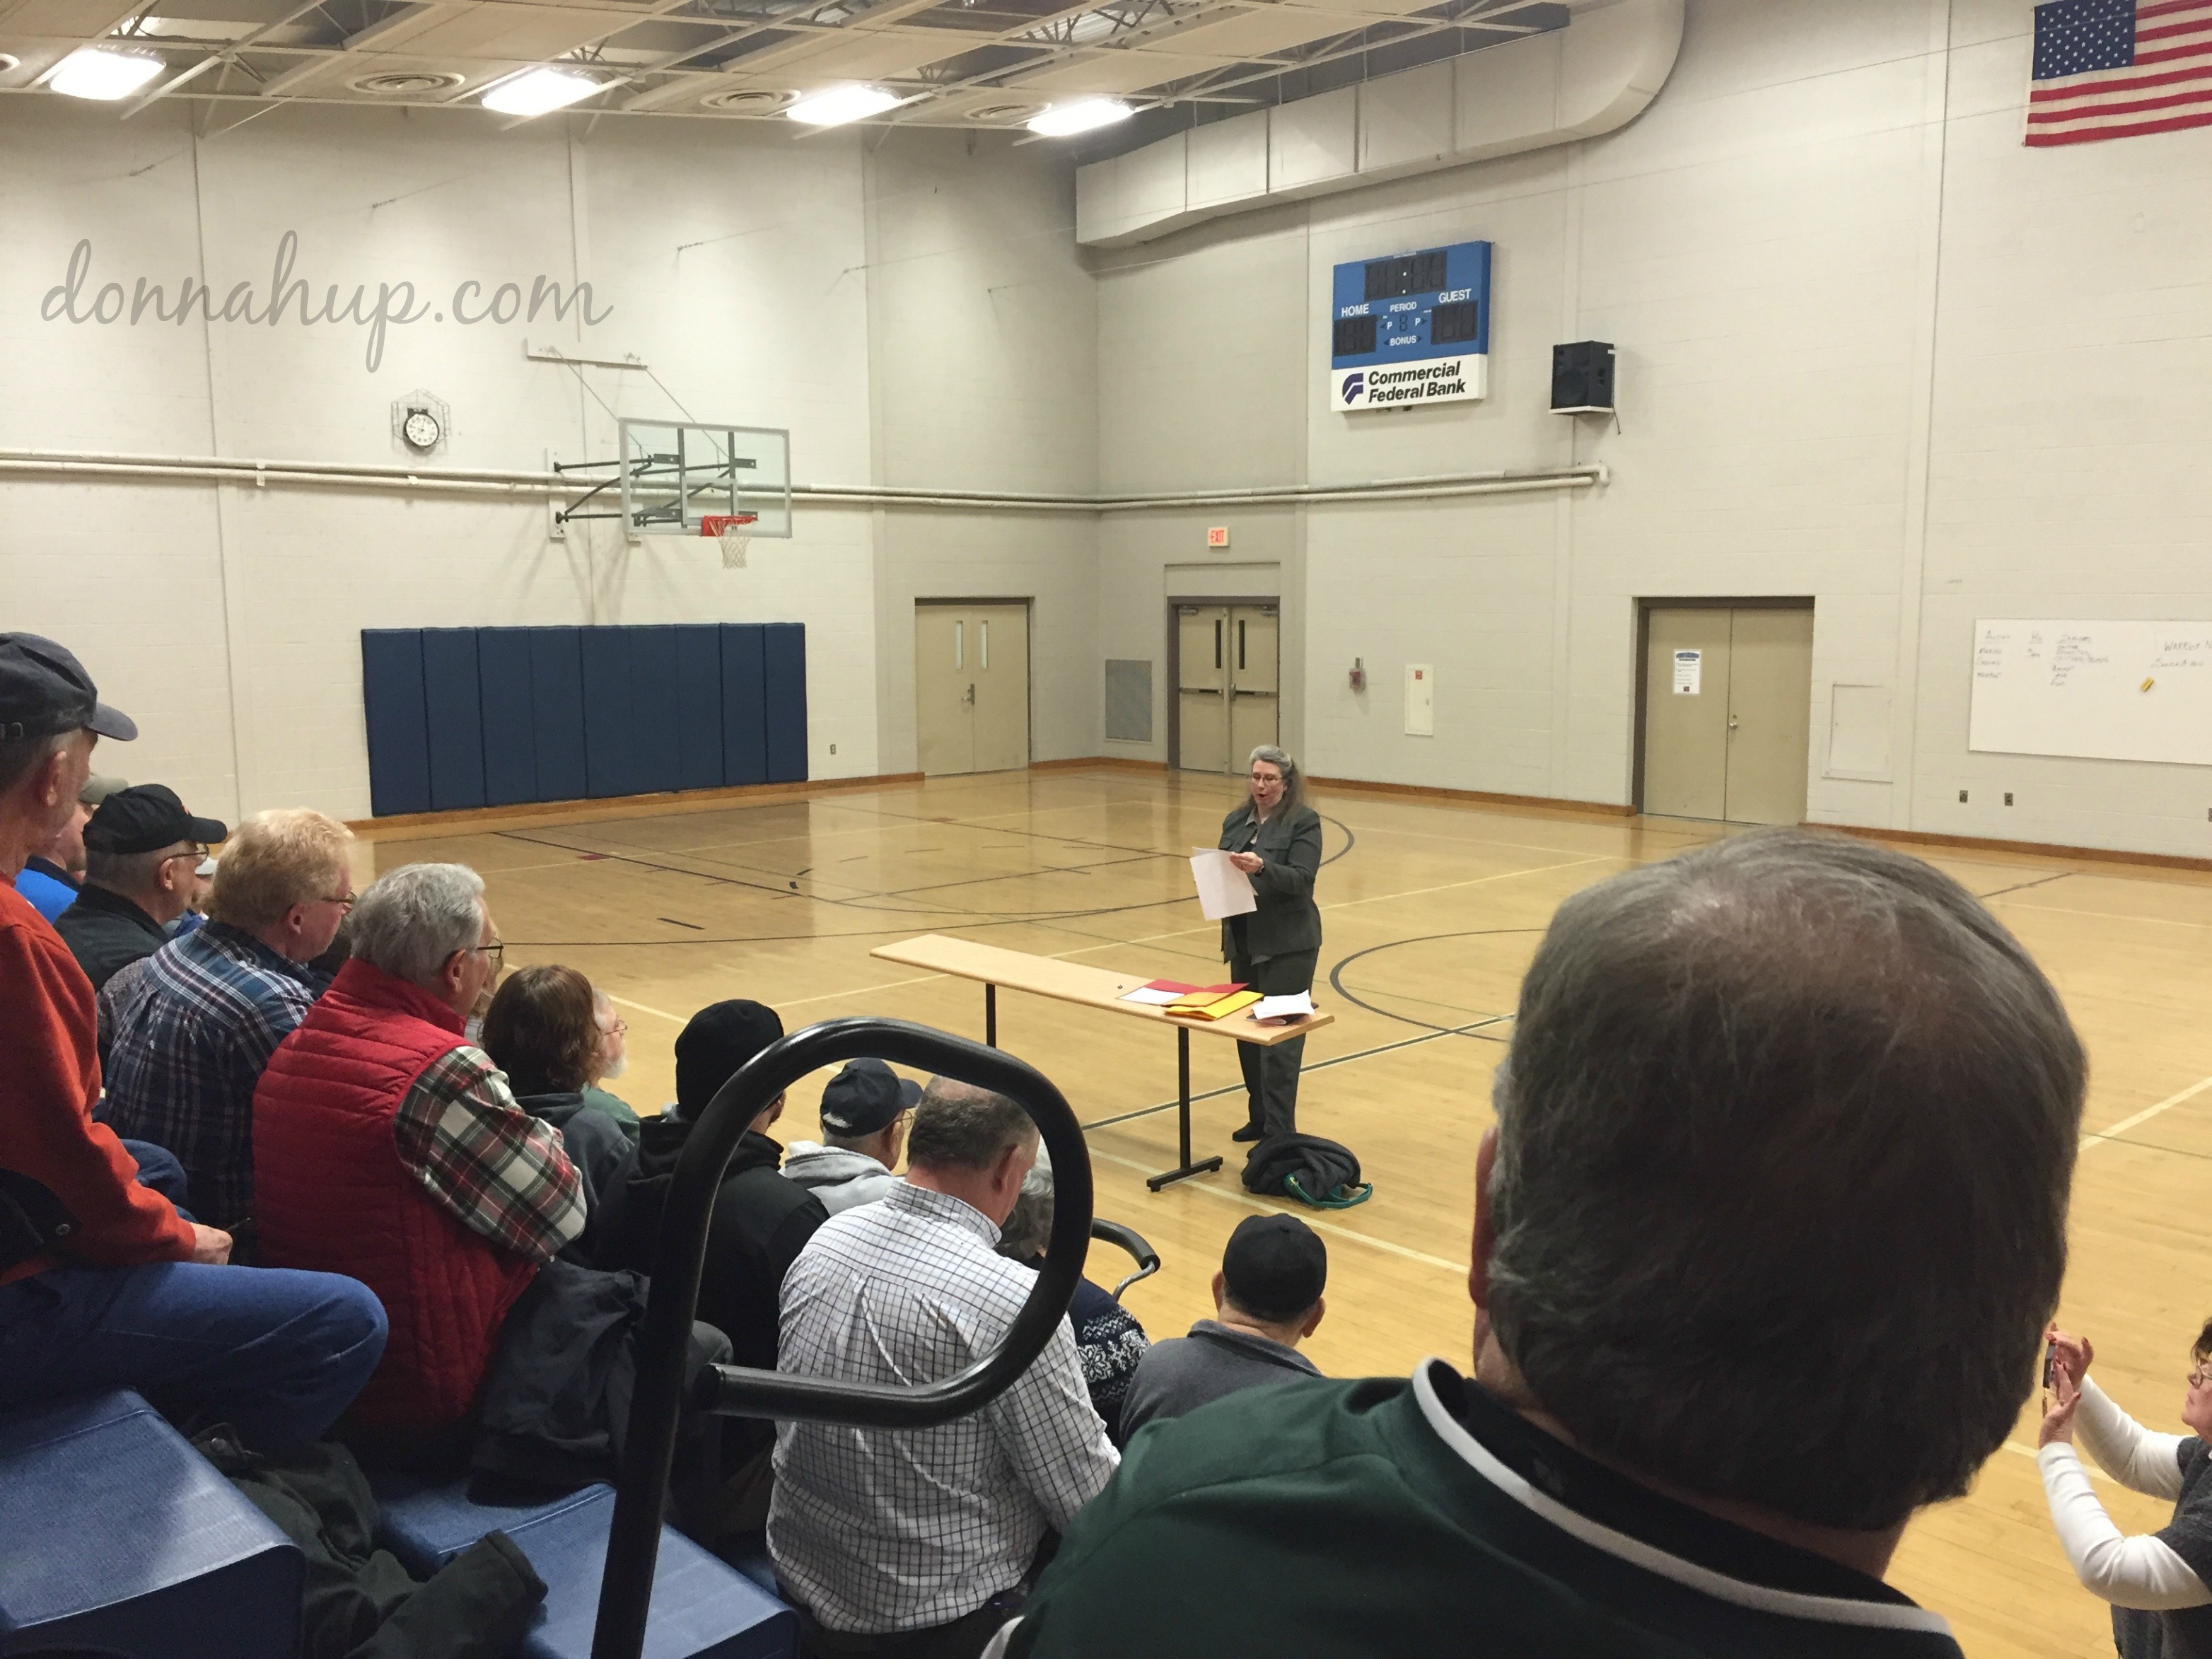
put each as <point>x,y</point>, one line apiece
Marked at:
<point>734,531</point>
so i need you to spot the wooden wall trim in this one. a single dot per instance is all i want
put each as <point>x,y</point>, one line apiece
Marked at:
<point>2040,848</point>
<point>417,826</point>
<point>1099,762</point>
<point>1474,797</point>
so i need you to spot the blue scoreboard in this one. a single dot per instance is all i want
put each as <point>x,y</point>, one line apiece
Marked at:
<point>1411,329</point>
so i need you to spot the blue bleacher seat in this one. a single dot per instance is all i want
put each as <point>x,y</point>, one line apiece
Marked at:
<point>116,1535</point>
<point>702,1609</point>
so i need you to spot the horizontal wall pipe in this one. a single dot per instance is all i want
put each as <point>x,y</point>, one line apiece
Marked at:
<point>540,486</point>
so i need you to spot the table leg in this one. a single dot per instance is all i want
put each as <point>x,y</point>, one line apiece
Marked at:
<point>991,1015</point>
<point>1184,1170</point>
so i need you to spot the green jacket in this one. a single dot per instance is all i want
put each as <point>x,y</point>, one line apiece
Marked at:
<point>1421,1519</point>
<point>1290,849</point>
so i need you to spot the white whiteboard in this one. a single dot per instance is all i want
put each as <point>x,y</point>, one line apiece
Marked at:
<point>2103,690</point>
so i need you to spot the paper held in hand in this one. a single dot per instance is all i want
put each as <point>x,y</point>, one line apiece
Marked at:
<point>1224,891</point>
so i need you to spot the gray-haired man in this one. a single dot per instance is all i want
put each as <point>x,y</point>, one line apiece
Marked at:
<point>1765,1242</point>
<point>909,1543</point>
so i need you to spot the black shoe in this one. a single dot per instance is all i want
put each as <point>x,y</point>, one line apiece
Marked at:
<point>1250,1132</point>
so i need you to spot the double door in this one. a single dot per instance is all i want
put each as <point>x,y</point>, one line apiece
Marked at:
<point>971,671</point>
<point>1728,696</point>
<point>1227,701</point>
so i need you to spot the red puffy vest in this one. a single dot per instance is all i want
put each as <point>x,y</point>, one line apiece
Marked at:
<point>331,1195</point>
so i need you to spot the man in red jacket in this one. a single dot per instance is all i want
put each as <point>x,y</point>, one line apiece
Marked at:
<point>103,1283</point>
<point>387,1146</point>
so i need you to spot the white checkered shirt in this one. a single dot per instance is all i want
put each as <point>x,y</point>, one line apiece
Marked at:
<point>880,1530</point>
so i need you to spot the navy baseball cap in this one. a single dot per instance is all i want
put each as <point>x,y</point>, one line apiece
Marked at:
<point>44,691</point>
<point>1275,1267</point>
<point>145,820</point>
<point>865,1097</point>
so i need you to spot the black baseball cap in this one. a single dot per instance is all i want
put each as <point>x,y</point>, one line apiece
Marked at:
<point>715,1047</point>
<point>145,819</point>
<point>1275,1267</point>
<point>866,1096</point>
<point>44,691</point>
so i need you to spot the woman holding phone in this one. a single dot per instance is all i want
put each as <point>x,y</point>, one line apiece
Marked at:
<point>2159,1584</point>
<point>1275,838</point>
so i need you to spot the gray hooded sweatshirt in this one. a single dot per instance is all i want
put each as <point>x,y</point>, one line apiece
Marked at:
<point>840,1179</point>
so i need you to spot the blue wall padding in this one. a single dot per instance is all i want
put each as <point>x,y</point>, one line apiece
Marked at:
<point>556,705</point>
<point>786,684</point>
<point>461,717</point>
<point>608,720</point>
<point>453,704</point>
<point>698,707</point>
<point>510,742</point>
<point>655,705</point>
<point>744,704</point>
<point>398,730</point>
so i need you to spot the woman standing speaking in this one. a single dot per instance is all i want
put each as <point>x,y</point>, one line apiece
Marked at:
<point>1275,838</point>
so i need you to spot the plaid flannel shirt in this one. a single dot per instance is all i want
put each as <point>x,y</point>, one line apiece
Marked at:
<point>497,1171</point>
<point>189,1046</point>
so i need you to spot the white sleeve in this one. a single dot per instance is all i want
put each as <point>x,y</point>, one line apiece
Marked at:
<point>2130,1572</point>
<point>2129,1453</point>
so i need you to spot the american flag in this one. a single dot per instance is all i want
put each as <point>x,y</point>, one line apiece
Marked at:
<point>2111,69</point>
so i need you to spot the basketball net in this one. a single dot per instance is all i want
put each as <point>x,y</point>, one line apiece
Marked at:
<point>734,531</point>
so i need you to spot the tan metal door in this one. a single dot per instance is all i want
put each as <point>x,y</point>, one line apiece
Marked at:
<point>944,701</point>
<point>971,688</point>
<point>1001,680</point>
<point>1202,646</point>
<point>1686,714</point>
<point>1770,697</point>
<point>1254,709</point>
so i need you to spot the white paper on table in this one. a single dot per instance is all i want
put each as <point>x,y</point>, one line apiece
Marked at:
<point>1297,1005</point>
<point>1224,891</point>
<point>1157,998</point>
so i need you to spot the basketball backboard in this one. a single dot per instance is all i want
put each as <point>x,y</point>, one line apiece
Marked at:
<point>675,474</point>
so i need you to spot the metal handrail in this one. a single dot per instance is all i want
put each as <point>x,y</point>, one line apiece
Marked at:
<point>1126,1238</point>
<point>679,1256</point>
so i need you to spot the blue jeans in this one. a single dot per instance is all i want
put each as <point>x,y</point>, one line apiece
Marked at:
<point>158,1168</point>
<point>275,1354</point>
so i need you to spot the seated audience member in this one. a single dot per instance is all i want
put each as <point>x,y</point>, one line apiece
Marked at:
<point>195,915</point>
<point>211,1007</point>
<point>386,1147</point>
<point>918,1542</point>
<point>864,1116</point>
<point>141,849</point>
<point>1267,1300</point>
<point>53,875</point>
<point>103,1284</point>
<point>1765,1240</point>
<point>1108,1341</point>
<point>609,1061</point>
<point>760,1221</point>
<point>2159,1584</point>
<point>540,1030</point>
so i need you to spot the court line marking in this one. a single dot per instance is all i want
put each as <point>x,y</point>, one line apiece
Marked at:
<point>2106,916</point>
<point>1252,1203</point>
<point>2087,1467</point>
<point>647,1008</point>
<point>2146,1115</point>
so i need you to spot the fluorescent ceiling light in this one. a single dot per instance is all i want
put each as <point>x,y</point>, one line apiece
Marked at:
<point>538,91</point>
<point>1062,120</point>
<point>103,72</point>
<point>839,104</point>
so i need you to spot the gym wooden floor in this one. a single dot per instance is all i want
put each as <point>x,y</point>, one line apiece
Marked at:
<point>1432,912</point>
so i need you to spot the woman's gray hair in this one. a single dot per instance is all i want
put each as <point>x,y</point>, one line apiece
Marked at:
<point>1784,1140</point>
<point>412,919</point>
<point>1028,1229</point>
<point>1294,778</point>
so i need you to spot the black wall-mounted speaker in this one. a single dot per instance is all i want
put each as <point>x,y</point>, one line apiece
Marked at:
<point>1582,377</point>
